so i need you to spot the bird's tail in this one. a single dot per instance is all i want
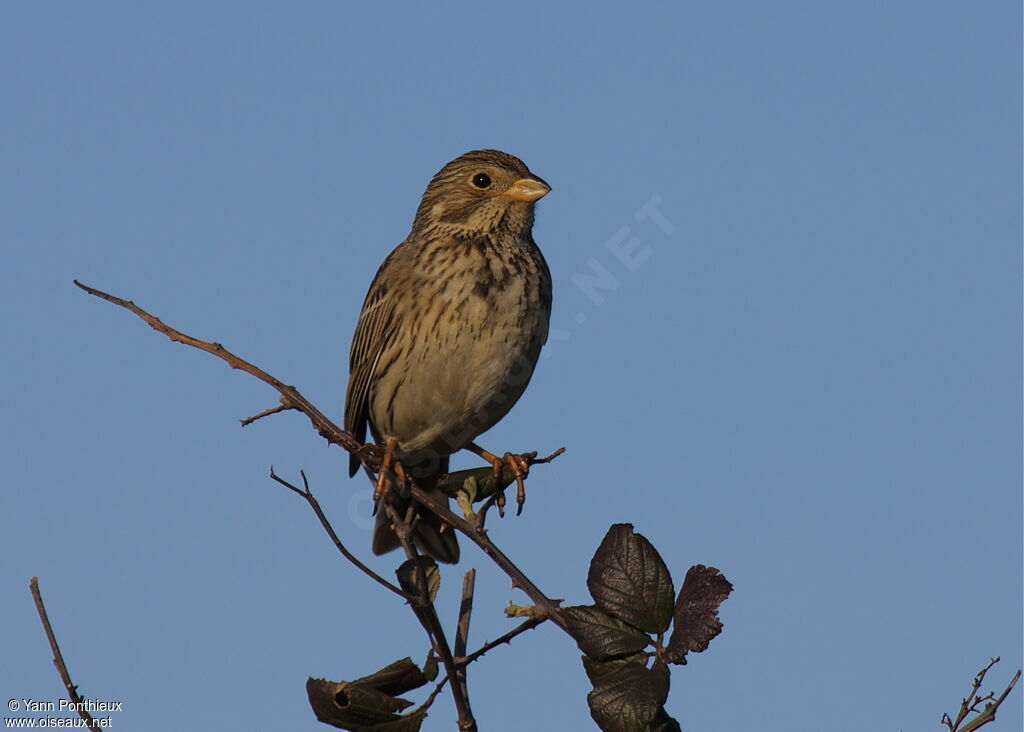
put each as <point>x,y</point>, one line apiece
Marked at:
<point>427,533</point>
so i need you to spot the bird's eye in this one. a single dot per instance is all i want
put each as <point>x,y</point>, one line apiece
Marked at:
<point>482,180</point>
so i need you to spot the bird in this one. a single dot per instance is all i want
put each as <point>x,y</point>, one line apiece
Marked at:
<point>449,334</point>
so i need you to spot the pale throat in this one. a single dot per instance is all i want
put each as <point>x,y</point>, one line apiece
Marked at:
<point>487,218</point>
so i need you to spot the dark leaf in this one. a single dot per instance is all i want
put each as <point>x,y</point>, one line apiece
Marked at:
<point>411,579</point>
<point>628,699</point>
<point>601,636</point>
<point>398,678</point>
<point>696,614</point>
<point>481,483</point>
<point>629,580</point>
<point>664,723</point>
<point>661,676</point>
<point>597,670</point>
<point>430,666</point>
<point>350,706</point>
<point>406,723</point>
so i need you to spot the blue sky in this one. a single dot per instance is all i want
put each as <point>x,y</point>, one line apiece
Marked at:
<point>812,380</point>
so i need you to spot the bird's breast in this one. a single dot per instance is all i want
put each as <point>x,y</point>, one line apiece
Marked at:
<point>478,338</point>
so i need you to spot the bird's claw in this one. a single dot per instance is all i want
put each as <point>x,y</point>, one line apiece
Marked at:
<point>518,468</point>
<point>511,467</point>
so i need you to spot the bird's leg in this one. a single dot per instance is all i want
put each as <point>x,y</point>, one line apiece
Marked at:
<point>403,477</point>
<point>404,481</point>
<point>520,467</point>
<point>382,486</point>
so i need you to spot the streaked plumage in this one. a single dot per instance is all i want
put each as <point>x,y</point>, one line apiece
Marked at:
<point>452,325</point>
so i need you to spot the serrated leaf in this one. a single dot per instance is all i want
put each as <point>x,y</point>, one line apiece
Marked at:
<point>410,578</point>
<point>466,495</point>
<point>601,636</point>
<point>662,678</point>
<point>662,722</point>
<point>629,579</point>
<point>430,666</point>
<point>696,620</point>
<point>597,670</point>
<point>628,699</point>
<point>396,678</point>
<point>350,706</point>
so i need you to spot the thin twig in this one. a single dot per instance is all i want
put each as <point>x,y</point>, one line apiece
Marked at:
<point>481,539</point>
<point>526,625</point>
<point>966,704</point>
<point>265,413</point>
<point>481,514</point>
<point>462,662</point>
<point>307,494</point>
<point>462,630</point>
<point>337,436</point>
<point>465,611</point>
<point>58,657</point>
<point>423,606</point>
<point>432,624</point>
<point>430,699</point>
<point>425,611</point>
<point>549,458</point>
<point>969,704</point>
<point>290,396</point>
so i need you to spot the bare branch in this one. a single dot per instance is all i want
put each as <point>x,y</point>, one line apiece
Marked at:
<point>971,704</point>
<point>462,631</point>
<point>481,539</point>
<point>463,661</point>
<point>265,413</point>
<point>58,657</point>
<point>334,435</point>
<point>549,458</point>
<point>430,699</point>
<point>290,396</point>
<point>465,611</point>
<point>307,494</point>
<point>424,607</point>
<point>424,610</point>
<point>529,624</point>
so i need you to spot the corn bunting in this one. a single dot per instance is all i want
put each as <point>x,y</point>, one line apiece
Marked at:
<point>450,332</point>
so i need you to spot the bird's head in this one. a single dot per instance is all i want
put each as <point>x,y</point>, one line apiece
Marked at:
<point>481,191</point>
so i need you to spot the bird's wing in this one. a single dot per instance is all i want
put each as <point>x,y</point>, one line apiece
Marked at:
<point>373,331</point>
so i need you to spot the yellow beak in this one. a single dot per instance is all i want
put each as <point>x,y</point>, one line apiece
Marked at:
<point>527,189</point>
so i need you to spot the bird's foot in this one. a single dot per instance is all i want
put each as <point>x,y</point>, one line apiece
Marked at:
<point>509,467</point>
<point>383,487</point>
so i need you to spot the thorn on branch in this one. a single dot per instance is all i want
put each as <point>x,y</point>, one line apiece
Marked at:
<point>526,625</point>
